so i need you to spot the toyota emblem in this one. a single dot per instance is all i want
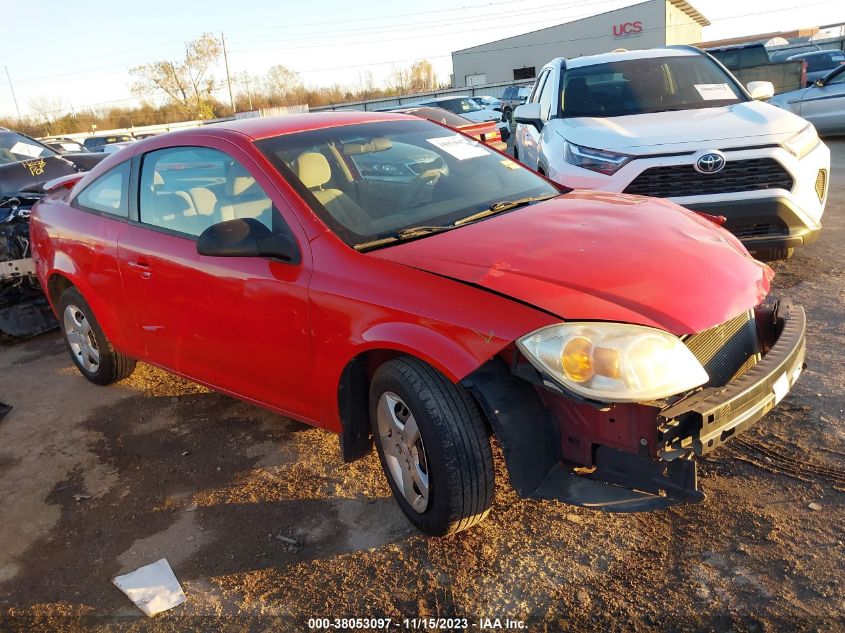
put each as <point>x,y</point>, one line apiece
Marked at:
<point>710,163</point>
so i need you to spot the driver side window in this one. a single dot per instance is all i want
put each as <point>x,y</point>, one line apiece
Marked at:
<point>188,189</point>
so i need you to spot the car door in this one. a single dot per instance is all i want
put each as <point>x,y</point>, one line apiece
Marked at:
<point>529,135</point>
<point>239,324</point>
<point>824,106</point>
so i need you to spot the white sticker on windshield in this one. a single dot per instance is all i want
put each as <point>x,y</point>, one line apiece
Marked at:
<point>459,147</point>
<point>715,92</point>
<point>25,149</point>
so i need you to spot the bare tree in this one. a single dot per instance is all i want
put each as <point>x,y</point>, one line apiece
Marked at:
<point>422,77</point>
<point>282,82</point>
<point>187,83</point>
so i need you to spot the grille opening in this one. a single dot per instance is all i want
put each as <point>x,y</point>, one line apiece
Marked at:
<point>676,181</point>
<point>728,350</point>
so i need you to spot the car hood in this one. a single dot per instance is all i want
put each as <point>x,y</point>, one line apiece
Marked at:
<point>743,124</point>
<point>600,256</point>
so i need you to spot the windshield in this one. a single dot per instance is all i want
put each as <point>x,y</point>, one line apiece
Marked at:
<point>640,86</point>
<point>16,147</point>
<point>458,106</point>
<point>373,180</point>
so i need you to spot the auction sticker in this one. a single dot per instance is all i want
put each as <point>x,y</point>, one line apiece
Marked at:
<point>459,147</point>
<point>715,92</point>
<point>26,149</point>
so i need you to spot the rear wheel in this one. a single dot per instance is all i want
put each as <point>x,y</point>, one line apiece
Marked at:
<point>508,113</point>
<point>433,447</point>
<point>89,348</point>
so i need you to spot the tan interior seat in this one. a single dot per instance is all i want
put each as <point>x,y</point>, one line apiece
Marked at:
<point>313,170</point>
<point>243,197</point>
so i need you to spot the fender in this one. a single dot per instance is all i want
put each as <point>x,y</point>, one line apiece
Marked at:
<point>445,354</point>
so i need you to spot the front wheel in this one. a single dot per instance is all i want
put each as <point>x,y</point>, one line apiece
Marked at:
<point>89,348</point>
<point>433,447</point>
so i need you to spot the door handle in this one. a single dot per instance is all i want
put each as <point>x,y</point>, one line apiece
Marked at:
<point>142,266</point>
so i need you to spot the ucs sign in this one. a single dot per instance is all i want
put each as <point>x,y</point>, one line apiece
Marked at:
<point>627,28</point>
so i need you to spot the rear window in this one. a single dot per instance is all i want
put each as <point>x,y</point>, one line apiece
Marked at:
<point>824,61</point>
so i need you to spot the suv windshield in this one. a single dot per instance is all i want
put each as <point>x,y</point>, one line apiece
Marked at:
<point>640,86</point>
<point>16,147</point>
<point>372,181</point>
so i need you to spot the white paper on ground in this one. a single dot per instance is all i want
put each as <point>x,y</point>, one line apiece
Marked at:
<point>152,588</point>
<point>459,147</point>
<point>715,92</point>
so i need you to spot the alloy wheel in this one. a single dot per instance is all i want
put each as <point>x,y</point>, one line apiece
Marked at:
<point>80,338</point>
<point>404,452</point>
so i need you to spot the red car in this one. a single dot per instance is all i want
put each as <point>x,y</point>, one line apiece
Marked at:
<point>486,132</point>
<point>389,279</point>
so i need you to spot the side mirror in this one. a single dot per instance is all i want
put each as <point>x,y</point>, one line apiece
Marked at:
<point>528,114</point>
<point>761,90</point>
<point>246,237</point>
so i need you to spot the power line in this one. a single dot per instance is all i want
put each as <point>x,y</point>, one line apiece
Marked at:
<point>525,45</point>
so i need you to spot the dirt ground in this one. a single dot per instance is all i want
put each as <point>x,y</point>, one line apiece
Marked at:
<point>99,481</point>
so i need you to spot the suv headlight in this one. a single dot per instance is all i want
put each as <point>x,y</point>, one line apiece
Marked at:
<point>800,144</point>
<point>599,160</point>
<point>614,362</point>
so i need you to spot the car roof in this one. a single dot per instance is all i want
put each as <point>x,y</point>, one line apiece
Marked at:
<point>618,56</point>
<point>266,127</point>
<point>446,98</point>
<point>813,53</point>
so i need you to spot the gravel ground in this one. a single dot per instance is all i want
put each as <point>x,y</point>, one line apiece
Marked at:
<point>266,528</point>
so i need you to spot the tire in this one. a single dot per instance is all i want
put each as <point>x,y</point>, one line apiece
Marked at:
<point>451,447</point>
<point>508,112</point>
<point>91,351</point>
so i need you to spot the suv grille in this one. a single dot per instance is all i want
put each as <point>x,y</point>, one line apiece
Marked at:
<point>727,350</point>
<point>763,229</point>
<point>676,181</point>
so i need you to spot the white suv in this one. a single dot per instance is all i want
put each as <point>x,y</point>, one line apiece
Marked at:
<point>673,123</point>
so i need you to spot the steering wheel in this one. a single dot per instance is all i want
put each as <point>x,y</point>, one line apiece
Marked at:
<point>415,186</point>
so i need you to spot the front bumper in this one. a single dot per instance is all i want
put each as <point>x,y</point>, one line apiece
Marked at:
<point>655,469</point>
<point>763,224</point>
<point>705,420</point>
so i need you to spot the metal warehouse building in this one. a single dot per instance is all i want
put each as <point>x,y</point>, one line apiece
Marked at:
<point>645,25</point>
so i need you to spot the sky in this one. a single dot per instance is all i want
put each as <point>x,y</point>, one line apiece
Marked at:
<point>74,54</point>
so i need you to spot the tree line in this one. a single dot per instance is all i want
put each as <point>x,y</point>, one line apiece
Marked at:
<point>186,89</point>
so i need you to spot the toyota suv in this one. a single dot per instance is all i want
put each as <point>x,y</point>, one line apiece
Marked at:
<point>673,123</point>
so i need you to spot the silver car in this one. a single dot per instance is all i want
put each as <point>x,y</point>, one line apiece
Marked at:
<point>822,104</point>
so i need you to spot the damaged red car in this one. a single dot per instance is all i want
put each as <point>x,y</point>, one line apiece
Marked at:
<point>401,284</point>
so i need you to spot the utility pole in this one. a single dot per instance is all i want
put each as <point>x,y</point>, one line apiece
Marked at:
<point>248,91</point>
<point>228,78</point>
<point>14,98</point>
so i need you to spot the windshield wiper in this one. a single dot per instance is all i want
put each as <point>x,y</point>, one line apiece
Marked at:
<point>504,205</point>
<point>418,231</point>
<point>404,234</point>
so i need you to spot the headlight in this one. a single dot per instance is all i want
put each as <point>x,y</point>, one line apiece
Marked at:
<point>614,362</point>
<point>599,160</point>
<point>799,145</point>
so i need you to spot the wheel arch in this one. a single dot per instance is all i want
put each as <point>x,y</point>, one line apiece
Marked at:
<point>383,343</point>
<point>64,275</point>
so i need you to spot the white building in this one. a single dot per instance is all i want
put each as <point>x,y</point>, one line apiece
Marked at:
<point>646,25</point>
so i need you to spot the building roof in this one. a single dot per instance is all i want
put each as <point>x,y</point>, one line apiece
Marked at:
<point>683,5</point>
<point>691,11</point>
